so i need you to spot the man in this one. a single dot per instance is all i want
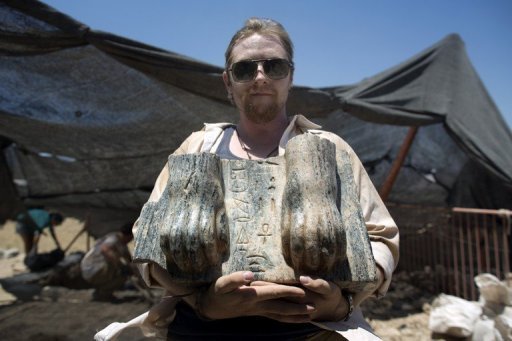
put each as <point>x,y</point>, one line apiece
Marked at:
<point>107,265</point>
<point>30,224</point>
<point>258,77</point>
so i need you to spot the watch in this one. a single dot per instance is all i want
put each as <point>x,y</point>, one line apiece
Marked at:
<point>350,301</point>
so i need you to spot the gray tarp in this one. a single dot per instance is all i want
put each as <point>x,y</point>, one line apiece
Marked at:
<point>88,118</point>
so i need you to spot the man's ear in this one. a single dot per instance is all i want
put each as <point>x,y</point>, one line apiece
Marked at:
<point>227,84</point>
<point>227,81</point>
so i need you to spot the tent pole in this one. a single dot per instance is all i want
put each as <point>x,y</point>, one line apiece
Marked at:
<point>397,164</point>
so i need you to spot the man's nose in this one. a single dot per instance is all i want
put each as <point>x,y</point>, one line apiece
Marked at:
<point>260,73</point>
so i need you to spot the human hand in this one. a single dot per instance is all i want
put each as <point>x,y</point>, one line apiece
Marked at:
<point>325,297</point>
<point>233,296</point>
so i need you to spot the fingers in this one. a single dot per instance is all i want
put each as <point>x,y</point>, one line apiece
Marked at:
<point>269,291</point>
<point>318,285</point>
<point>233,295</point>
<point>326,297</point>
<point>233,281</point>
<point>260,283</point>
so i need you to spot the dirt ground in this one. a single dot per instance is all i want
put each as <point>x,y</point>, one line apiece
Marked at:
<point>56,313</point>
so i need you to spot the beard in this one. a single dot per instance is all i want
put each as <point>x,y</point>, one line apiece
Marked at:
<point>261,113</point>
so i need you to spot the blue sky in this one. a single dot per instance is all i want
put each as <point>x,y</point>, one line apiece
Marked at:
<point>337,42</point>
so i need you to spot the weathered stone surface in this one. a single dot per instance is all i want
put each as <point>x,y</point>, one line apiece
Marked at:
<point>312,230</point>
<point>280,218</point>
<point>359,269</point>
<point>253,210</point>
<point>185,231</point>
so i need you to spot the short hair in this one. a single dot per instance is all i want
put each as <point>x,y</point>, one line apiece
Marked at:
<point>56,217</point>
<point>263,26</point>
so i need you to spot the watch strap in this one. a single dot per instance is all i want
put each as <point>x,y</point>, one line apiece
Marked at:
<point>350,301</point>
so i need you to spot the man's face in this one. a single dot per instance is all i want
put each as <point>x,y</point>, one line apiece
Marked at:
<point>262,99</point>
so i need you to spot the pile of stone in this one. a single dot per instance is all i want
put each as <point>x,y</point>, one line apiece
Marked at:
<point>8,255</point>
<point>404,297</point>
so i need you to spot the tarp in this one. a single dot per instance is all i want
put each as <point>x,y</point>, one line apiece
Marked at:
<point>88,118</point>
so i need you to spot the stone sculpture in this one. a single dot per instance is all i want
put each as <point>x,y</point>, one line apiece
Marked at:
<point>282,217</point>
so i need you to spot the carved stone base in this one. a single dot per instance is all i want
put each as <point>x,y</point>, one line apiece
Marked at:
<point>280,218</point>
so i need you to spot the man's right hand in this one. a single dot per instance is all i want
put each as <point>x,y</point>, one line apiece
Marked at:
<point>232,296</point>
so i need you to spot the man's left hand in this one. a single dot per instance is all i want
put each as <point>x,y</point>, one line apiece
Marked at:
<point>323,295</point>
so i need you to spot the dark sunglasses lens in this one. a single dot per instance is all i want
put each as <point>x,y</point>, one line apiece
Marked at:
<point>244,71</point>
<point>276,68</point>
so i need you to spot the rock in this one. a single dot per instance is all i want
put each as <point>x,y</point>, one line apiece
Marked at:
<point>6,297</point>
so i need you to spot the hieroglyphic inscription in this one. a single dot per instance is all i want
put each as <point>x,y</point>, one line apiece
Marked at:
<point>254,219</point>
<point>240,211</point>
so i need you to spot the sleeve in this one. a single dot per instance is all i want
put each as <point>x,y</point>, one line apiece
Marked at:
<point>191,144</point>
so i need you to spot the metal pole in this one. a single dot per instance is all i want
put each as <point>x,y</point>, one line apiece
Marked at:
<point>456,217</point>
<point>505,230</point>
<point>397,164</point>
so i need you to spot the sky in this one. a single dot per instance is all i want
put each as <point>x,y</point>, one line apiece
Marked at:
<point>337,42</point>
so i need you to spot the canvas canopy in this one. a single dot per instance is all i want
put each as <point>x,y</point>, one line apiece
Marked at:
<point>88,118</point>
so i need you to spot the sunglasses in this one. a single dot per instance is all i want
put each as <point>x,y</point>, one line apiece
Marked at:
<point>274,68</point>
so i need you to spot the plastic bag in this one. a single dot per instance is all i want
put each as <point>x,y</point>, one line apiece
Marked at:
<point>494,294</point>
<point>453,316</point>
<point>503,324</point>
<point>484,331</point>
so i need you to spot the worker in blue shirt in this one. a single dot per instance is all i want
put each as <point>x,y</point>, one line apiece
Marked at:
<point>31,223</point>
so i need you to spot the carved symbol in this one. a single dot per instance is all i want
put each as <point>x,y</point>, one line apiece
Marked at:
<point>238,177</point>
<point>272,185</point>
<point>242,240</point>
<point>241,210</point>
<point>259,262</point>
<point>265,232</point>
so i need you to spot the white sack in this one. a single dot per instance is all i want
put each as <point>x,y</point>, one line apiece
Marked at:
<point>484,331</point>
<point>493,290</point>
<point>503,324</point>
<point>453,316</point>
